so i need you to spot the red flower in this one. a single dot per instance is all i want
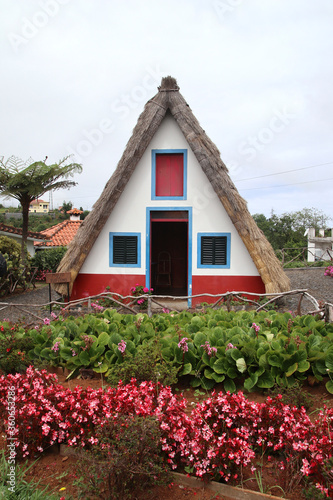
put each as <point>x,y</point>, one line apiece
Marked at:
<point>8,349</point>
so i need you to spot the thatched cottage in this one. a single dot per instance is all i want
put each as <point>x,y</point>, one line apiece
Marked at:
<point>170,218</point>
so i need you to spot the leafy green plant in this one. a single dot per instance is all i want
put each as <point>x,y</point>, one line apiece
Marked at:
<point>146,363</point>
<point>125,459</point>
<point>311,492</point>
<point>329,383</point>
<point>13,350</point>
<point>292,396</point>
<point>48,260</point>
<point>17,274</point>
<point>13,485</point>
<point>257,350</point>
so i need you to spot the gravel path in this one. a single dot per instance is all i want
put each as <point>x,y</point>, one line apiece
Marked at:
<point>28,306</point>
<point>318,285</point>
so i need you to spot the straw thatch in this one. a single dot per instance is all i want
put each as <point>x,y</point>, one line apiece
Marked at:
<point>169,99</point>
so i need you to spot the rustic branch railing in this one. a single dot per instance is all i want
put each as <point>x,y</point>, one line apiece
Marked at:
<point>303,252</point>
<point>325,310</point>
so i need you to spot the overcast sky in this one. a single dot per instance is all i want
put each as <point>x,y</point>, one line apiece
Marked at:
<point>258,75</point>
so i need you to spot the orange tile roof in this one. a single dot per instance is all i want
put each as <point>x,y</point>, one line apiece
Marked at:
<point>38,201</point>
<point>75,211</point>
<point>61,234</point>
<point>17,230</point>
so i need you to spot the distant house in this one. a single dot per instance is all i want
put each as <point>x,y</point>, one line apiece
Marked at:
<point>39,206</point>
<point>61,234</point>
<point>16,234</point>
<point>320,247</point>
<point>170,218</point>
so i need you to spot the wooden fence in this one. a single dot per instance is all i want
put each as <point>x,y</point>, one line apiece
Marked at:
<point>289,255</point>
<point>157,303</point>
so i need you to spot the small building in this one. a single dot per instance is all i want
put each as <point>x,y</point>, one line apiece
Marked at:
<point>320,247</point>
<point>61,234</point>
<point>170,218</point>
<point>39,207</point>
<point>16,234</point>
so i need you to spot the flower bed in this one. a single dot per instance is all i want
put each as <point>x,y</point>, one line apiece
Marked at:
<point>211,347</point>
<point>223,436</point>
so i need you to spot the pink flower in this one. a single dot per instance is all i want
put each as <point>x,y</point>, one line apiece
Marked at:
<point>122,346</point>
<point>97,307</point>
<point>55,348</point>
<point>47,321</point>
<point>145,290</point>
<point>211,351</point>
<point>46,429</point>
<point>230,346</point>
<point>183,344</point>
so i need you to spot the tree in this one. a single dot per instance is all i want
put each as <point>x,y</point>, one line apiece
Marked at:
<point>66,206</point>
<point>309,217</point>
<point>279,231</point>
<point>26,181</point>
<point>287,230</point>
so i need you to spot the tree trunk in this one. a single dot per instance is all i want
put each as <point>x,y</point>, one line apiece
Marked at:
<point>25,224</point>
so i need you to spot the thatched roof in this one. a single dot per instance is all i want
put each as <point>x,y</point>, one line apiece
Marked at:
<point>169,99</point>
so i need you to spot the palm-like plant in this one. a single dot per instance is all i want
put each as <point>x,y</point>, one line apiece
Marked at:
<point>26,181</point>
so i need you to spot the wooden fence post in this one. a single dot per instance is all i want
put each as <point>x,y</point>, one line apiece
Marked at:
<point>328,313</point>
<point>149,307</point>
<point>58,278</point>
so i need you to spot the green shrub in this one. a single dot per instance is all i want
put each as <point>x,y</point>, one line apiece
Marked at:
<point>292,396</point>
<point>17,273</point>
<point>48,260</point>
<point>146,364</point>
<point>13,349</point>
<point>126,460</point>
<point>11,249</point>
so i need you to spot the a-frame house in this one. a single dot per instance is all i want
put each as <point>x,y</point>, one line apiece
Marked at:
<point>170,218</point>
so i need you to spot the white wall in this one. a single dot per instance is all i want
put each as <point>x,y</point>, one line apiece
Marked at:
<point>129,215</point>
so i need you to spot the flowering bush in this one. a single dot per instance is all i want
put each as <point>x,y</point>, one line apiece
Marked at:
<point>97,307</point>
<point>41,274</point>
<point>46,413</point>
<point>139,291</point>
<point>13,347</point>
<point>146,363</point>
<point>329,271</point>
<point>257,350</point>
<point>220,435</point>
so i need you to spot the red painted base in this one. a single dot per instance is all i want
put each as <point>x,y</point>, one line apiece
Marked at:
<point>87,285</point>
<point>222,284</point>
